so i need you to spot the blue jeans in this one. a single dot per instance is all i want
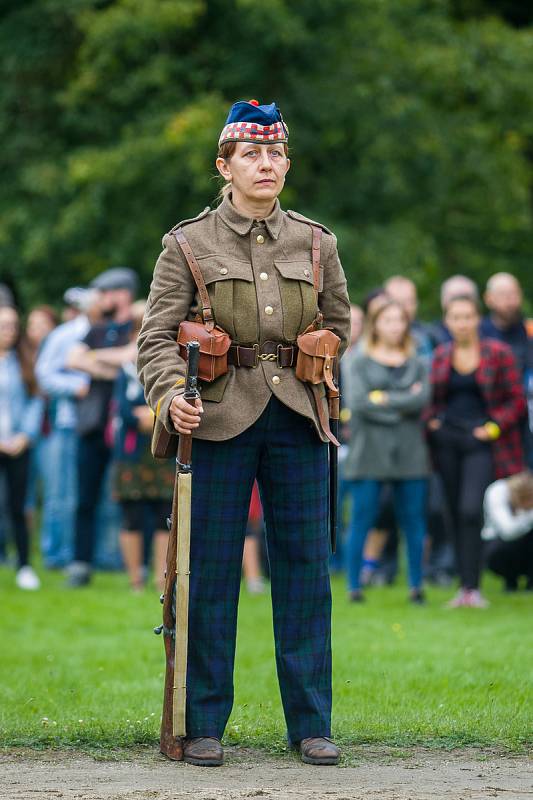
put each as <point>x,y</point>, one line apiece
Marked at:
<point>108,523</point>
<point>57,464</point>
<point>411,513</point>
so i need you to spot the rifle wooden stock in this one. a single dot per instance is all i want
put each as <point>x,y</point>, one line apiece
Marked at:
<point>176,595</point>
<point>183,526</point>
<point>169,744</point>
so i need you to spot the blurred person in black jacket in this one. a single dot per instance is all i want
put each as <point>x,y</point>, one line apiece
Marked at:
<point>106,346</point>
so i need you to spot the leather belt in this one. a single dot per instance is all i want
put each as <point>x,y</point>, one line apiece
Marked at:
<point>284,355</point>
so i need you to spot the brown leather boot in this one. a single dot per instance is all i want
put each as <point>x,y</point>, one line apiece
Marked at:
<point>204,751</point>
<point>319,750</point>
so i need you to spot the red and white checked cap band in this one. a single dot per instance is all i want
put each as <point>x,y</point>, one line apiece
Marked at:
<point>253,132</point>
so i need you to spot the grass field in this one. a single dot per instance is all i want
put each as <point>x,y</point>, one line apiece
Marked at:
<point>84,669</point>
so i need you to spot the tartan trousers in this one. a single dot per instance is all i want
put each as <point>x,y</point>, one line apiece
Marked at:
<point>290,462</point>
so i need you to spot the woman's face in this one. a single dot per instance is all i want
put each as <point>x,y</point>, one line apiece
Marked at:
<point>462,320</point>
<point>391,326</point>
<point>38,326</point>
<point>257,171</point>
<point>9,328</point>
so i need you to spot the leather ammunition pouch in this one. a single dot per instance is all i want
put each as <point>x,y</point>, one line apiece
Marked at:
<point>318,348</point>
<point>317,354</point>
<point>214,342</point>
<point>214,346</point>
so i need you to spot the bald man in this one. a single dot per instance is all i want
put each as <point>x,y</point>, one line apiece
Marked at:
<point>503,298</point>
<point>403,291</point>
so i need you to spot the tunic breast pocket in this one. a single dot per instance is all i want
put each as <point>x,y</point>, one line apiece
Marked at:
<point>298,296</point>
<point>231,288</point>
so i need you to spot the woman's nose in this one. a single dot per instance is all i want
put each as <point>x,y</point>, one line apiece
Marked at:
<point>265,161</point>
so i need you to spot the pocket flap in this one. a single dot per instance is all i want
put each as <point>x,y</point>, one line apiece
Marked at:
<point>299,271</point>
<point>223,268</point>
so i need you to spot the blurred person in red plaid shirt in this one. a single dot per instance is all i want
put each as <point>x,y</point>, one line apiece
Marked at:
<point>474,423</point>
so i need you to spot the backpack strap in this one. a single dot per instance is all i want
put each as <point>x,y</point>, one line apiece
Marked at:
<point>207,313</point>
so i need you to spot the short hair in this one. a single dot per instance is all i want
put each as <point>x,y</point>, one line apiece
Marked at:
<point>497,276</point>
<point>447,283</point>
<point>399,279</point>
<point>521,489</point>
<point>464,298</point>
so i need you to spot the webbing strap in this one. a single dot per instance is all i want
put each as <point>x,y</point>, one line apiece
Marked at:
<point>315,255</point>
<point>207,313</point>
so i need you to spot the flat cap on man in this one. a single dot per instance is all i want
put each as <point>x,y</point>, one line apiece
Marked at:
<point>116,278</point>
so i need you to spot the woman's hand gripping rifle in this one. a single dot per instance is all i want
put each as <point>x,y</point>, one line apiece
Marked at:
<point>175,599</point>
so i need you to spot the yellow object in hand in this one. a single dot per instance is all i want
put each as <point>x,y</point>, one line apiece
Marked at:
<point>493,430</point>
<point>376,396</point>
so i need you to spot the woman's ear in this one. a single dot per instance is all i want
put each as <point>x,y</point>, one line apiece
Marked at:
<point>224,169</point>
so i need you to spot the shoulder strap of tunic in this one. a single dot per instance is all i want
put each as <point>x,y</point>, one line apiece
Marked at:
<point>207,313</point>
<point>183,222</point>
<point>307,221</point>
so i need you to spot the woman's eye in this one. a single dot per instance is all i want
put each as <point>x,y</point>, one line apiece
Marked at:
<point>251,153</point>
<point>275,153</point>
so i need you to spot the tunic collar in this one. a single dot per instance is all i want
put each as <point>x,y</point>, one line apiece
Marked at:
<point>243,225</point>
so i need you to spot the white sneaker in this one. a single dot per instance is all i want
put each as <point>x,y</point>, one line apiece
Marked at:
<point>27,579</point>
<point>476,600</point>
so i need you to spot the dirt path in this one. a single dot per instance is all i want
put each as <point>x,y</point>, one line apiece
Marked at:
<point>369,773</point>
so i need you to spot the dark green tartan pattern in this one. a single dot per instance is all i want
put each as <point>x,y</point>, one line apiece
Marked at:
<point>283,451</point>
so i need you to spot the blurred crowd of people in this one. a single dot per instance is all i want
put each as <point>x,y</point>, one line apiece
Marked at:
<point>75,436</point>
<point>436,425</point>
<point>437,440</point>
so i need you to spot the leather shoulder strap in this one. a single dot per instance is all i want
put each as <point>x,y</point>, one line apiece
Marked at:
<point>207,313</point>
<point>315,256</point>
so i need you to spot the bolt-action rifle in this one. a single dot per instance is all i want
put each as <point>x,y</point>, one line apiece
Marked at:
<point>175,598</point>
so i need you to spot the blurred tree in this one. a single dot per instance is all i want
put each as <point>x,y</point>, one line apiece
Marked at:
<point>517,12</point>
<point>411,131</point>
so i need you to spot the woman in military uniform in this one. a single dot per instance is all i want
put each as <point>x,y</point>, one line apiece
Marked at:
<point>256,421</point>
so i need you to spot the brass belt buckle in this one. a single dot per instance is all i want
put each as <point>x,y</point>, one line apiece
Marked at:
<point>257,356</point>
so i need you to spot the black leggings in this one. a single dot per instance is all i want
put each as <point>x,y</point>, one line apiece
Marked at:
<point>15,470</point>
<point>465,465</point>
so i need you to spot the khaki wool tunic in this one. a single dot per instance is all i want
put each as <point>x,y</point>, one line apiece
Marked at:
<point>259,276</point>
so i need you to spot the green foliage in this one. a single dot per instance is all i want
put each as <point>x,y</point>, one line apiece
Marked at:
<point>411,131</point>
<point>84,669</point>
